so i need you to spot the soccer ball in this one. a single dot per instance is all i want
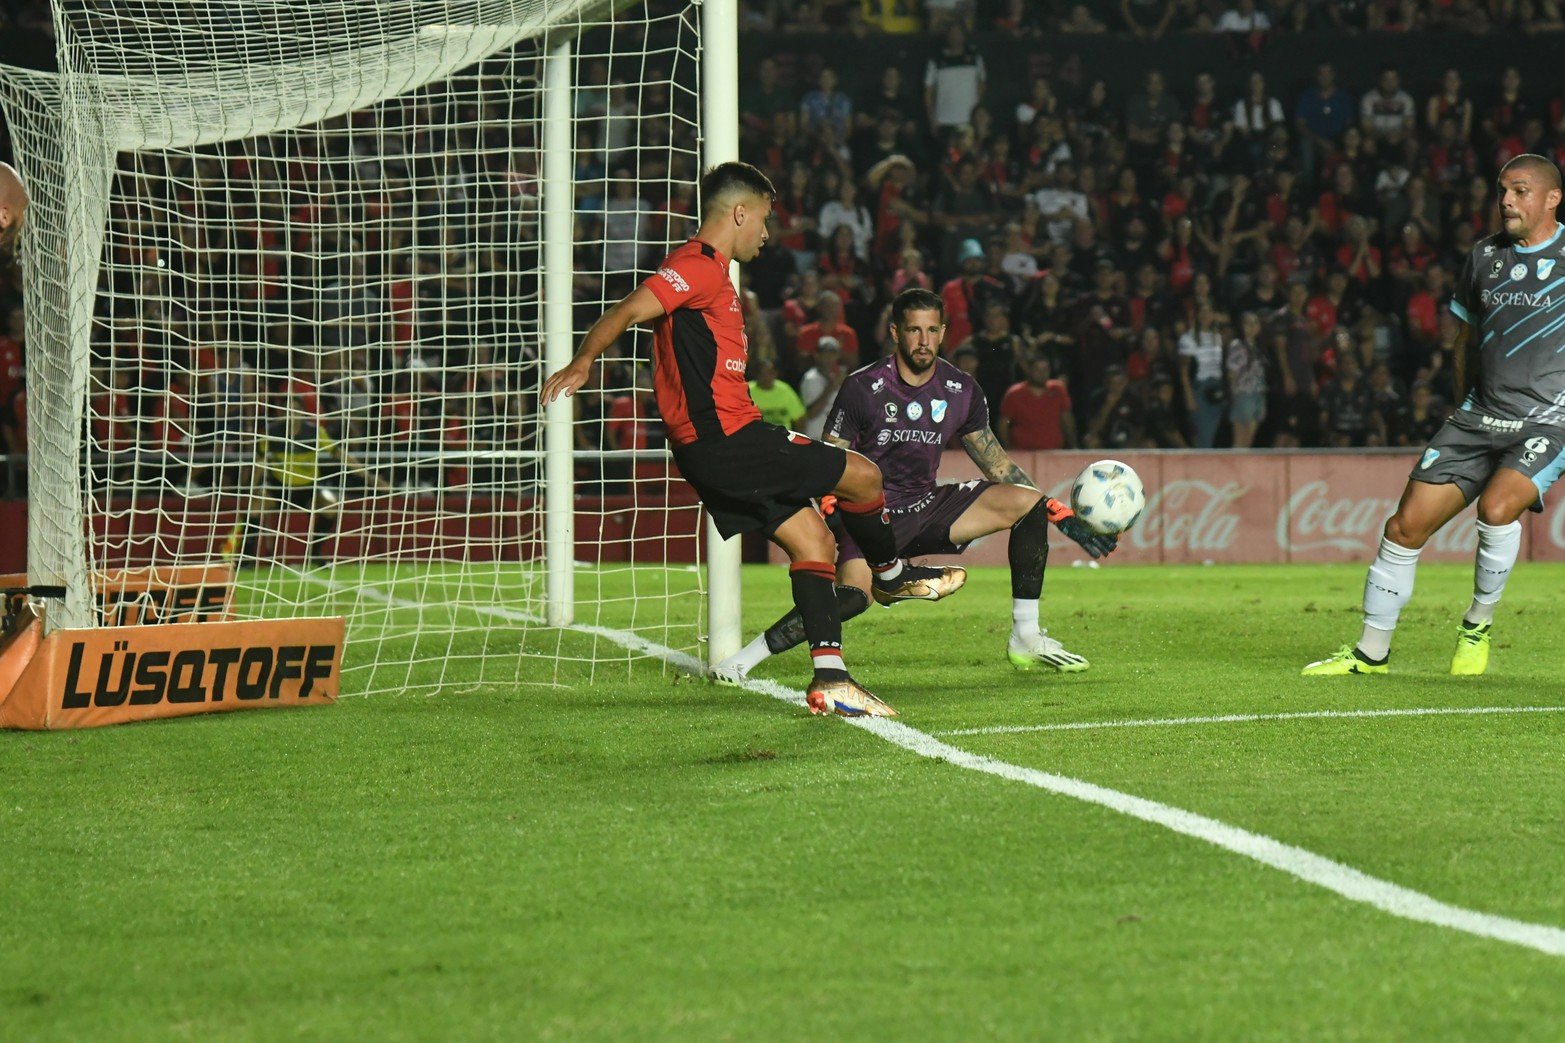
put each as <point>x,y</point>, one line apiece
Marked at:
<point>1108,497</point>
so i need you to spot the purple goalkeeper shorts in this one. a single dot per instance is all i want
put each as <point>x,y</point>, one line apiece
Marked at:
<point>923,526</point>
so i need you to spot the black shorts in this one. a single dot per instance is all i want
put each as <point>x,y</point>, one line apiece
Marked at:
<point>923,526</point>
<point>760,476</point>
<point>1469,448</point>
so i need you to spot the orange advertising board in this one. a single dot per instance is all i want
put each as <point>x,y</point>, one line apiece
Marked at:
<point>114,675</point>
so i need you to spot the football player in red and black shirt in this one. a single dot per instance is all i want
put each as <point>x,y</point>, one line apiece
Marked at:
<point>752,476</point>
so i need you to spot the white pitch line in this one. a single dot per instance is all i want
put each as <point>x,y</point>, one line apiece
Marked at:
<point>1240,718</point>
<point>1304,865</point>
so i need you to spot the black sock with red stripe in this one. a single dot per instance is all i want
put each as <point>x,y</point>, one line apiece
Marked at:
<point>870,526</point>
<point>815,596</point>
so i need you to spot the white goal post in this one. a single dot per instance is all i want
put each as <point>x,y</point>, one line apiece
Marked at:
<point>294,274</point>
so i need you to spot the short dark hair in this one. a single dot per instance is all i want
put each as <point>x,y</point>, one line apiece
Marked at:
<point>916,299</point>
<point>1536,164</point>
<point>726,177</point>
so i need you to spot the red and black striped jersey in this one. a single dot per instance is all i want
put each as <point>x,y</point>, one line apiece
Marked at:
<point>699,347</point>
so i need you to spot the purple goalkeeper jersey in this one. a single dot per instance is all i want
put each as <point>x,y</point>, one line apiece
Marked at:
<point>904,429</point>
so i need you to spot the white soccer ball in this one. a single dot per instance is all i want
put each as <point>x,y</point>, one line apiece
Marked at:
<point>1108,496</point>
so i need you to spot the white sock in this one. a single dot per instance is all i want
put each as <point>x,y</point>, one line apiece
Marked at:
<point>890,572</point>
<point>1498,546</point>
<point>1387,588</point>
<point>1024,617</point>
<point>749,657</point>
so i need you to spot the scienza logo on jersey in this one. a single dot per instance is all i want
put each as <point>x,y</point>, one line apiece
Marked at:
<point>937,410</point>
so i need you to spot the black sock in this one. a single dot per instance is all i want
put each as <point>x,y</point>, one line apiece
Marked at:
<point>1029,553</point>
<point>870,526</point>
<point>817,604</point>
<point>789,630</point>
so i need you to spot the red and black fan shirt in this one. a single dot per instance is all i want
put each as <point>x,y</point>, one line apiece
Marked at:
<point>699,347</point>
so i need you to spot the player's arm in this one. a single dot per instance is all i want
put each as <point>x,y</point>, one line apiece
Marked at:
<point>1459,368</point>
<point>640,306</point>
<point>985,450</point>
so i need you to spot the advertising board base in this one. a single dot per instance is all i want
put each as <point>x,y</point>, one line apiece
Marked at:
<point>115,675</point>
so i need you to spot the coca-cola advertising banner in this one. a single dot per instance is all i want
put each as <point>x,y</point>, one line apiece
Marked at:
<point>1256,507</point>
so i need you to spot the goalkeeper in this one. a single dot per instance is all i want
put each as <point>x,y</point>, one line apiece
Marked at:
<point>297,463</point>
<point>901,412</point>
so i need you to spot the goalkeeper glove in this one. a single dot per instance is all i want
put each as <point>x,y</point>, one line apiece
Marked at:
<point>1097,544</point>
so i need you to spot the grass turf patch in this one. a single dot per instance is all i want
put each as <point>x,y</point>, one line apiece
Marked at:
<point>645,855</point>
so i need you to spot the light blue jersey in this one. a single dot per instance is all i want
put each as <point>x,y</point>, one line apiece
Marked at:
<point>1513,297</point>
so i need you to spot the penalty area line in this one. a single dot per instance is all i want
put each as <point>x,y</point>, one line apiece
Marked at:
<point>1242,718</point>
<point>1340,879</point>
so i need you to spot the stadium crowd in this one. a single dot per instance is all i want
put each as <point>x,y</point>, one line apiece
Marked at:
<point>1178,267</point>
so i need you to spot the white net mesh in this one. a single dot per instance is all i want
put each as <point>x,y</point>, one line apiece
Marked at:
<point>284,280</point>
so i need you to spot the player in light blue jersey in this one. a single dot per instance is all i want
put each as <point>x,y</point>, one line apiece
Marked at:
<point>1506,444</point>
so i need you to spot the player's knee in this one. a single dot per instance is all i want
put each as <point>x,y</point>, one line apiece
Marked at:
<point>861,482</point>
<point>1404,532</point>
<point>1500,510</point>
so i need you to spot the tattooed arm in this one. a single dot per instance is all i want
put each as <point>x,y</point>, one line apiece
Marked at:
<point>985,451</point>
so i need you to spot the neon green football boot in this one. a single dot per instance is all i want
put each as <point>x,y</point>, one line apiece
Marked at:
<point>1471,657</point>
<point>1345,660</point>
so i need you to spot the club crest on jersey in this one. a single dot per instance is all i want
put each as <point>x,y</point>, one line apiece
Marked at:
<point>891,412</point>
<point>1518,271</point>
<point>1498,264</point>
<point>937,410</point>
<point>1545,266</point>
<point>914,411</point>
<point>1430,456</point>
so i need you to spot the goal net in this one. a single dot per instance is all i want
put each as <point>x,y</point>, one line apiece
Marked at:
<point>292,274</point>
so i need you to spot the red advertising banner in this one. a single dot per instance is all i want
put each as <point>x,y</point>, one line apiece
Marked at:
<point>1256,507</point>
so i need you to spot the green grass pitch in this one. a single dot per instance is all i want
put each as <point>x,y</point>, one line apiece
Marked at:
<point>651,857</point>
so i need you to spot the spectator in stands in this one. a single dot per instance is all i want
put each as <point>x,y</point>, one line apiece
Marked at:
<point>968,296</point>
<point>845,211</point>
<point>1387,112</point>
<point>778,402</point>
<point>818,387</point>
<point>1035,413</point>
<point>1149,19</point>
<point>1347,408</point>
<point>1323,114</point>
<point>1244,20</point>
<point>826,107</point>
<point>1147,119</point>
<point>1245,366</point>
<point>1116,412</point>
<point>1206,389</point>
<point>830,324</point>
<point>1450,102</point>
<point>1000,354</point>
<point>1255,115</point>
<point>954,82</point>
